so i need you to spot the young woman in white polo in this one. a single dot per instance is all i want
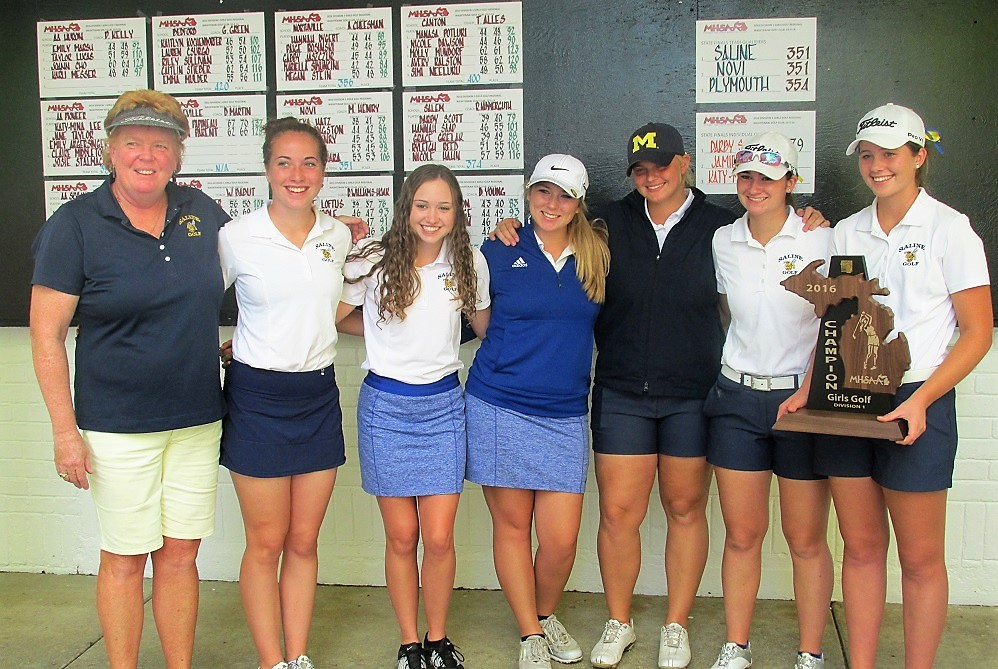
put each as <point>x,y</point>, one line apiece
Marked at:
<point>766,354</point>
<point>933,263</point>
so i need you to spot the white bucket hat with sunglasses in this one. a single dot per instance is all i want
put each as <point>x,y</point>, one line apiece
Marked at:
<point>770,154</point>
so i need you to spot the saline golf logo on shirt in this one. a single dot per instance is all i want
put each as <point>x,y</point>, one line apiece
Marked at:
<point>326,249</point>
<point>190,221</point>
<point>450,283</point>
<point>789,263</point>
<point>909,254</point>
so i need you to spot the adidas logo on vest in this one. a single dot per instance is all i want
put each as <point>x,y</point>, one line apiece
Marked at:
<point>519,262</point>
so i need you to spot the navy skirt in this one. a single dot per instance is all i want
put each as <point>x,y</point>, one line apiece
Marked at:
<point>281,423</point>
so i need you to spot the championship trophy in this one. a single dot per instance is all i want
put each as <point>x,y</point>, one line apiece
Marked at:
<point>855,370</point>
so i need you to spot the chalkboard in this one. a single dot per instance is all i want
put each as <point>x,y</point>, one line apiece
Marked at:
<point>596,70</point>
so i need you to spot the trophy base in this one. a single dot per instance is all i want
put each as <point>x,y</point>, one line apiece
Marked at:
<point>842,424</point>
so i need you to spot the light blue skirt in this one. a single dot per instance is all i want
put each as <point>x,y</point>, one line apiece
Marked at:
<point>508,449</point>
<point>410,444</point>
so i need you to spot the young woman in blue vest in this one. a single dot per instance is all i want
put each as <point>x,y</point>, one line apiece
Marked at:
<point>752,256</point>
<point>527,401</point>
<point>933,263</point>
<point>659,340</point>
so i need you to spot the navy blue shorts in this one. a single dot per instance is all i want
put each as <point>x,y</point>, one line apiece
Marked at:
<point>925,466</point>
<point>281,423</point>
<point>742,435</point>
<point>629,424</point>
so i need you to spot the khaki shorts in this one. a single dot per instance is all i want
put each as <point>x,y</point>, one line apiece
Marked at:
<point>154,485</point>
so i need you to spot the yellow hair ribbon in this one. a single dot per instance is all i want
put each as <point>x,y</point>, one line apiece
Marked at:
<point>934,137</point>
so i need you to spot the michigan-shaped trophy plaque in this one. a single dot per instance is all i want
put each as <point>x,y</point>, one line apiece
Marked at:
<point>856,370</point>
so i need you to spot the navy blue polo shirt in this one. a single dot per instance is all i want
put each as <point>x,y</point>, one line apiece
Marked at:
<point>146,348</point>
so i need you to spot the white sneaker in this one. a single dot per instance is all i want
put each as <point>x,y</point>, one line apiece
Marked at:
<point>808,661</point>
<point>279,665</point>
<point>733,656</point>
<point>301,662</point>
<point>617,638</point>
<point>534,653</point>
<point>561,646</point>
<point>674,647</point>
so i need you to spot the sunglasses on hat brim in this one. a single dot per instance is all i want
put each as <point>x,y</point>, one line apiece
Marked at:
<point>771,158</point>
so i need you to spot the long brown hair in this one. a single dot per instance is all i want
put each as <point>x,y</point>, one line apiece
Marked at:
<point>278,126</point>
<point>399,281</point>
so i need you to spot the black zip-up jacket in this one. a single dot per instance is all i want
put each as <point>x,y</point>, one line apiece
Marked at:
<point>659,332</point>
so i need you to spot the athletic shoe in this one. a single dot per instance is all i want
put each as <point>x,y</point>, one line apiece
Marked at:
<point>562,647</point>
<point>280,665</point>
<point>534,653</point>
<point>733,656</point>
<point>301,662</point>
<point>411,657</point>
<point>808,661</point>
<point>442,653</point>
<point>674,647</point>
<point>617,638</point>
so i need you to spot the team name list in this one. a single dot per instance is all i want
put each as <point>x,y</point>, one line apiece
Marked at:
<point>334,48</point>
<point>209,53</point>
<point>462,44</point>
<point>357,128</point>
<point>91,57</point>
<point>471,129</point>
<point>756,60</point>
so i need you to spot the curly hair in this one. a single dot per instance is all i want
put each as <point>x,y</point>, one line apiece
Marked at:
<point>396,251</point>
<point>155,100</point>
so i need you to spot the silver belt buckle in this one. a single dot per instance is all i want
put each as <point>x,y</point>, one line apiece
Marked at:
<point>764,383</point>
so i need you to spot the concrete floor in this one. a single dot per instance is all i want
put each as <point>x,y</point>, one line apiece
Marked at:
<point>49,621</point>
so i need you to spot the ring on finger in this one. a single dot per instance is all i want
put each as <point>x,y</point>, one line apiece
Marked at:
<point>64,476</point>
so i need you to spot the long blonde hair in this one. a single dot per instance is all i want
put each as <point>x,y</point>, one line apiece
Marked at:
<point>592,255</point>
<point>399,282</point>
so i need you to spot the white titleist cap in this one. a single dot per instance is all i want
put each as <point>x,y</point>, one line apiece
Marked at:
<point>889,127</point>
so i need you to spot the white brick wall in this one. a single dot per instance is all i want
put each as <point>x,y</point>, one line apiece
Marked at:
<point>47,525</point>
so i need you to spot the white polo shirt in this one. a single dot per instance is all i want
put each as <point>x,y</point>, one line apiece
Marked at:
<point>773,331</point>
<point>422,348</point>
<point>662,230</point>
<point>932,253</point>
<point>558,262</point>
<point>287,296</point>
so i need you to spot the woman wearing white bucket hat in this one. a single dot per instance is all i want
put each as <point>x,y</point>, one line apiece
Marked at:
<point>752,256</point>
